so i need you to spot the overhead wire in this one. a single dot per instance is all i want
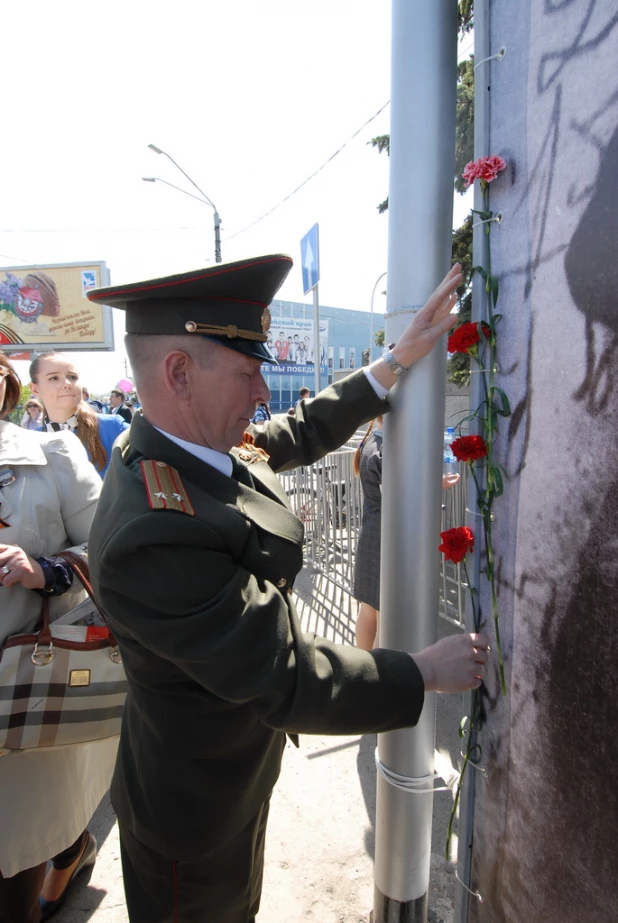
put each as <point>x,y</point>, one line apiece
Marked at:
<point>193,228</point>
<point>309,178</point>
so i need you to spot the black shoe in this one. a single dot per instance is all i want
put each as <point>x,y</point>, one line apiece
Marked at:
<point>87,860</point>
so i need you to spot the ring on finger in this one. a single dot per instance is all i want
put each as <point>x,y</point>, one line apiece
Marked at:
<point>6,569</point>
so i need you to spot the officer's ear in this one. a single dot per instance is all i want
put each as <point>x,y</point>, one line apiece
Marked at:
<point>176,371</point>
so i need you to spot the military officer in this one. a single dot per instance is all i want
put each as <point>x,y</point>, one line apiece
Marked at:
<point>193,554</point>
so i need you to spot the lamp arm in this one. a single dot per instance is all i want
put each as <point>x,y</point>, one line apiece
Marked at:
<point>193,183</point>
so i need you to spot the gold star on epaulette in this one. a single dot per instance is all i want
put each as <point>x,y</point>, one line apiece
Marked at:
<point>164,488</point>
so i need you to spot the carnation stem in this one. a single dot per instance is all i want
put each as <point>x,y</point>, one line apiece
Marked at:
<point>475,617</point>
<point>474,725</point>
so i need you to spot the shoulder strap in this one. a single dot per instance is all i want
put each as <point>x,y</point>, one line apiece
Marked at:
<point>164,487</point>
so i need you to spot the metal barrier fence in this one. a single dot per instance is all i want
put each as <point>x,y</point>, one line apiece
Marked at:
<point>327,498</point>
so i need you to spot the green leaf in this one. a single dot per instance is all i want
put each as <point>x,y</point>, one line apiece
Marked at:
<point>505,409</point>
<point>495,287</point>
<point>469,417</point>
<point>462,726</point>
<point>494,474</point>
<point>480,271</point>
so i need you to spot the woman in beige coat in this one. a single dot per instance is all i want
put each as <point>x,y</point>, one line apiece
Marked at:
<point>48,496</point>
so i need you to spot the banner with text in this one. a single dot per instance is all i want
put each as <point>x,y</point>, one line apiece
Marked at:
<point>45,307</point>
<point>292,343</point>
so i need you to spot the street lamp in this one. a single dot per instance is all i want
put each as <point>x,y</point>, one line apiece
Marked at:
<point>201,198</point>
<point>371,313</point>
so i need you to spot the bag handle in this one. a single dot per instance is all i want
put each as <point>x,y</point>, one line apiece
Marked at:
<point>79,567</point>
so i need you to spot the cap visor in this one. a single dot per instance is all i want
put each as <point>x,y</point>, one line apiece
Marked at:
<point>248,348</point>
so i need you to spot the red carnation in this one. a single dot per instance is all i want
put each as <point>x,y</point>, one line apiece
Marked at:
<point>456,543</point>
<point>470,173</point>
<point>485,168</point>
<point>465,337</point>
<point>469,448</point>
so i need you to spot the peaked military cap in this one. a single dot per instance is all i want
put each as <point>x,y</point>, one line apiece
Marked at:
<point>227,303</point>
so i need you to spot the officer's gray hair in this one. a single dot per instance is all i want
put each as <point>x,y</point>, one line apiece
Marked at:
<point>146,351</point>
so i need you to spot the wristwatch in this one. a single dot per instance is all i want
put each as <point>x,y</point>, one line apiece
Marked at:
<point>387,355</point>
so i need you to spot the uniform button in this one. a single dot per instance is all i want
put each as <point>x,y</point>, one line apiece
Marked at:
<point>281,583</point>
<point>161,464</point>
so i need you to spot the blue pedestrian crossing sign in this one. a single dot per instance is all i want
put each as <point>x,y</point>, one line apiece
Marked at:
<point>310,260</point>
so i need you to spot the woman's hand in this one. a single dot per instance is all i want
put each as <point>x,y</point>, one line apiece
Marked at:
<point>18,567</point>
<point>449,480</point>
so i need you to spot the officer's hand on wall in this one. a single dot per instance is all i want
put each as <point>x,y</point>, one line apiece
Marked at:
<point>454,664</point>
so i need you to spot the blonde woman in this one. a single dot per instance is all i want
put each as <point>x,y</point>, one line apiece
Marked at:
<point>55,380</point>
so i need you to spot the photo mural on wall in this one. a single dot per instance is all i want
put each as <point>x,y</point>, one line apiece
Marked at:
<point>544,845</point>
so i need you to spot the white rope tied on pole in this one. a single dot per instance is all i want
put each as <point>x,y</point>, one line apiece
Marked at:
<point>405,309</point>
<point>419,785</point>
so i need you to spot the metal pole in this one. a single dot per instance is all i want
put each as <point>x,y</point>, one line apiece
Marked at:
<point>371,314</point>
<point>479,258</point>
<point>422,145</point>
<point>317,346</point>
<point>217,237</point>
<point>204,197</point>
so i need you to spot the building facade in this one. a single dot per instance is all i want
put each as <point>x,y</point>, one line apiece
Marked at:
<point>344,336</point>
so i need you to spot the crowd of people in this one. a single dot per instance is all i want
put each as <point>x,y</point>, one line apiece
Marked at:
<point>193,552</point>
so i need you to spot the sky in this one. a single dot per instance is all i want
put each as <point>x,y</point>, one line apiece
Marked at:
<point>249,98</point>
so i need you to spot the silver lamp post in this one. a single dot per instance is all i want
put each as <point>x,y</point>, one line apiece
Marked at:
<point>201,198</point>
<point>373,294</point>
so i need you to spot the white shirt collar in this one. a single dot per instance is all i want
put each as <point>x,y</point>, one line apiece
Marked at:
<point>218,460</point>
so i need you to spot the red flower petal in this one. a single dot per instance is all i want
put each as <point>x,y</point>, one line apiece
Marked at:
<point>456,543</point>
<point>469,448</point>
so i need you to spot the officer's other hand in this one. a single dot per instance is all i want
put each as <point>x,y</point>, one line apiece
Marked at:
<point>454,664</point>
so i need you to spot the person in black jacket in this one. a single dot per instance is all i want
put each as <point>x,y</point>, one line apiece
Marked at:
<point>118,405</point>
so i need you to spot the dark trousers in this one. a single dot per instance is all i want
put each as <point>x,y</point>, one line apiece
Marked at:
<point>19,895</point>
<point>223,887</point>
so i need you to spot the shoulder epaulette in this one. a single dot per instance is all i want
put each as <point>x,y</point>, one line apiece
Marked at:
<point>164,487</point>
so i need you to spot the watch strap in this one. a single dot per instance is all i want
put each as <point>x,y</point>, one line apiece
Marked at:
<point>394,366</point>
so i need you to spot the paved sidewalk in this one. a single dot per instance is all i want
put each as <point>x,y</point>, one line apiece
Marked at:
<point>320,840</point>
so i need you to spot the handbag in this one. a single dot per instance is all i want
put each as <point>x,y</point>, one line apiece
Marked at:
<point>63,684</point>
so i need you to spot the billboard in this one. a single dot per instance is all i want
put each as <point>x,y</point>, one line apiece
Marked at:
<point>292,343</point>
<point>45,307</point>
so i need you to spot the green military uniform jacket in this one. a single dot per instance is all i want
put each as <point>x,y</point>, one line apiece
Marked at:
<point>218,666</point>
